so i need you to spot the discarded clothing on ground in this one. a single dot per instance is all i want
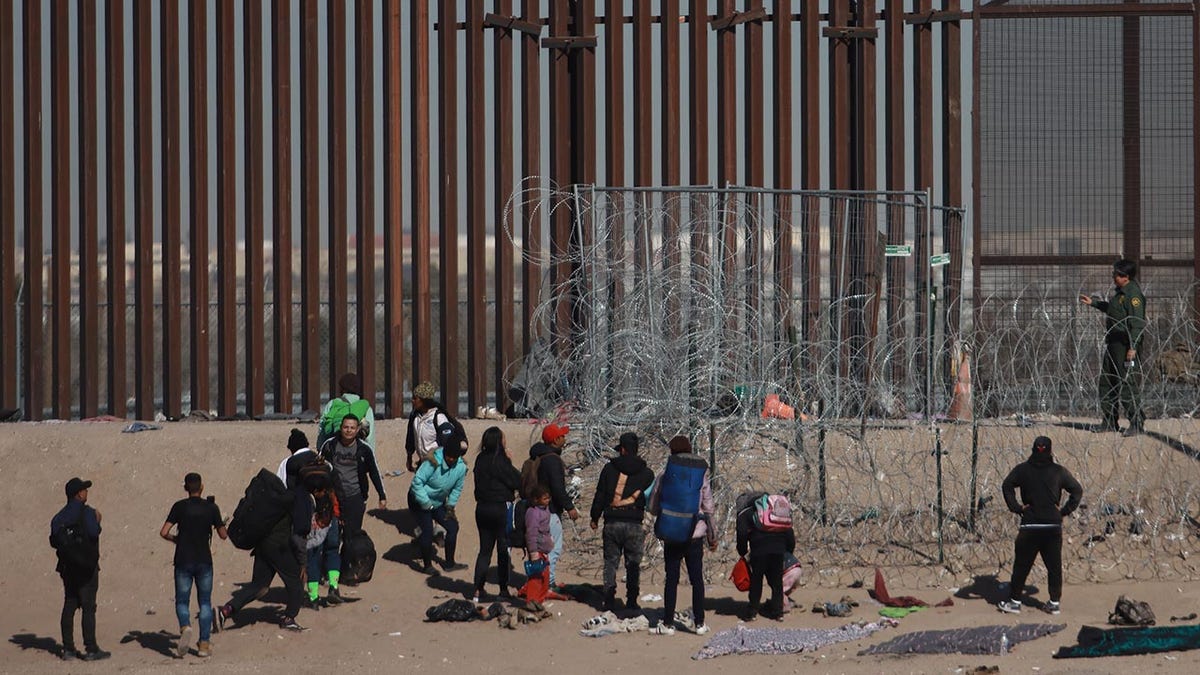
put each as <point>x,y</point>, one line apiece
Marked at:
<point>881,594</point>
<point>841,608</point>
<point>531,612</point>
<point>743,640</point>
<point>608,624</point>
<point>1126,641</point>
<point>588,594</point>
<point>977,640</point>
<point>1129,612</point>
<point>135,427</point>
<point>456,609</point>
<point>898,612</point>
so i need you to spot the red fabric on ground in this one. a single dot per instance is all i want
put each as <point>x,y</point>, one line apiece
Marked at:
<point>881,594</point>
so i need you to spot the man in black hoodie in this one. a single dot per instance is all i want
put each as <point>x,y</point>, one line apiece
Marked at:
<point>621,499</point>
<point>553,475</point>
<point>1042,483</point>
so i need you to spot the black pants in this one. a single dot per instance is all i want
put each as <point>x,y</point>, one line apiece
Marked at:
<point>425,519</point>
<point>273,556</point>
<point>1047,542</point>
<point>771,567</point>
<point>489,519</point>
<point>79,592</point>
<point>692,553</point>
<point>354,509</point>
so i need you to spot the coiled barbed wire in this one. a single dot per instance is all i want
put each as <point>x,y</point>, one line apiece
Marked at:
<point>676,327</point>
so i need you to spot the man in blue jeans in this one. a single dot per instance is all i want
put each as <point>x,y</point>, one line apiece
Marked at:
<point>194,519</point>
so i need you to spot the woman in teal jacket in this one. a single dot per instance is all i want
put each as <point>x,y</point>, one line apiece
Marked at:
<point>436,487</point>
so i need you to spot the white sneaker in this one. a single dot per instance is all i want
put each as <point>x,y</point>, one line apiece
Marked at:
<point>662,629</point>
<point>1009,606</point>
<point>702,629</point>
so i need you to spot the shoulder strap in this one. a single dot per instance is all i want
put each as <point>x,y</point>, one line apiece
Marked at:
<point>617,499</point>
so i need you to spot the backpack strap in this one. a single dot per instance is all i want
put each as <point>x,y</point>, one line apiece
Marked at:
<point>618,500</point>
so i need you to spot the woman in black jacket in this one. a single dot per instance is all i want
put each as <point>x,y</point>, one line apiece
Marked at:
<point>496,482</point>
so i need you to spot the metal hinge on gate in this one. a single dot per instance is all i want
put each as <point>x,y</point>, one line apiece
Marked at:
<point>569,42</point>
<point>757,14</point>
<point>511,23</point>
<point>850,33</point>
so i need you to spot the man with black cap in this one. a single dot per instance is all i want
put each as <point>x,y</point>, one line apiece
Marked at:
<point>1124,323</point>
<point>621,499</point>
<point>75,534</point>
<point>1042,483</point>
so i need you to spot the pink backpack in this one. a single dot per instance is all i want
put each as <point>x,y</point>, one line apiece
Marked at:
<point>773,513</point>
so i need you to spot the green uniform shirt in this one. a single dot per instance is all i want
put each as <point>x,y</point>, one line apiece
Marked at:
<point>1125,315</point>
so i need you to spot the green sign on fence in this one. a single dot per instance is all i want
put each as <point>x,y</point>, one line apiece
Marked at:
<point>897,250</point>
<point>939,259</point>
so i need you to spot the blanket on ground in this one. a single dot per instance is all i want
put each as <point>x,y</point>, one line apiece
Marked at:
<point>743,640</point>
<point>1124,641</point>
<point>977,640</point>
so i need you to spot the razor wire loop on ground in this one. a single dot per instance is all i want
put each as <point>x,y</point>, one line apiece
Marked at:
<point>677,328</point>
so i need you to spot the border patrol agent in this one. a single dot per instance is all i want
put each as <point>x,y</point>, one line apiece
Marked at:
<point>1124,323</point>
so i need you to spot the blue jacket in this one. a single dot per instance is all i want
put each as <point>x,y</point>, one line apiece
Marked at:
<point>436,484</point>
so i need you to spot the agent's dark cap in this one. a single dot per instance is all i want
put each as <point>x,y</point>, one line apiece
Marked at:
<point>680,444</point>
<point>297,440</point>
<point>629,441</point>
<point>1042,444</point>
<point>75,485</point>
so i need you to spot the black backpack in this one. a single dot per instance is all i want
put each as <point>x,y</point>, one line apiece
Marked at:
<point>514,522</point>
<point>75,550</point>
<point>450,431</point>
<point>267,501</point>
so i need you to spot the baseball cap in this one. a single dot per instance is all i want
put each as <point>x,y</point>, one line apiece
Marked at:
<point>553,432</point>
<point>75,485</point>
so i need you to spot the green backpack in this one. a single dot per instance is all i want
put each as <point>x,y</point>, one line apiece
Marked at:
<point>338,409</point>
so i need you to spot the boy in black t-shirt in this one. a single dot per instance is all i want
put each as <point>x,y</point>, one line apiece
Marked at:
<point>196,518</point>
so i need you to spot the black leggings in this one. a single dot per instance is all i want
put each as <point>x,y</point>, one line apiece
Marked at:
<point>692,553</point>
<point>770,566</point>
<point>1030,543</point>
<point>489,518</point>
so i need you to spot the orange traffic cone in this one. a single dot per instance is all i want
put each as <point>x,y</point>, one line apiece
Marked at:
<point>960,403</point>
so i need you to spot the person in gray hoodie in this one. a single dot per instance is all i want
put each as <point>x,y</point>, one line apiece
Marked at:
<point>1042,482</point>
<point>620,498</point>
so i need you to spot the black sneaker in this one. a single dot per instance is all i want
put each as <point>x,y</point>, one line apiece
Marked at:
<point>288,623</point>
<point>333,597</point>
<point>314,605</point>
<point>68,655</point>
<point>95,655</point>
<point>451,566</point>
<point>430,570</point>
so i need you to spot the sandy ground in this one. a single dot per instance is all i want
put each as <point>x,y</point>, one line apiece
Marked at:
<point>138,476</point>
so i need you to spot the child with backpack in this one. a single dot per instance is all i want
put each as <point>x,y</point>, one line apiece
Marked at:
<point>764,530</point>
<point>538,545</point>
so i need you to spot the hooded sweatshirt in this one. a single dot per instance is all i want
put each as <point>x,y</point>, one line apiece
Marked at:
<point>496,479</point>
<point>553,475</point>
<point>638,480</point>
<point>1042,483</point>
<point>435,484</point>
